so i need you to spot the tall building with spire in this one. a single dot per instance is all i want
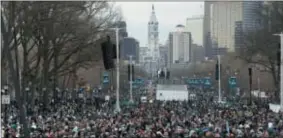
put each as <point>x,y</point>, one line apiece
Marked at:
<point>153,36</point>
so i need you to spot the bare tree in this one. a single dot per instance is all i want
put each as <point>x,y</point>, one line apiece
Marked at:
<point>42,40</point>
<point>261,46</point>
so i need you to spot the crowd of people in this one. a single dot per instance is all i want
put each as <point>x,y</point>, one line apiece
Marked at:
<point>197,118</point>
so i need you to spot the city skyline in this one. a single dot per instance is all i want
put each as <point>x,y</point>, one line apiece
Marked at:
<point>177,11</point>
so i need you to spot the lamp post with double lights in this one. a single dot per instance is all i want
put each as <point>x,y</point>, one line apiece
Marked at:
<point>118,108</point>
<point>116,29</point>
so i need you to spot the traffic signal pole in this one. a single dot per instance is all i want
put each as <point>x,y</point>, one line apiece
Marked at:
<point>219,79</point>
<point>131,79</point>
<point>281,71</point>
<point>118,108</point>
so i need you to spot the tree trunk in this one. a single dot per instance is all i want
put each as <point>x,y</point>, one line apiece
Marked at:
<point>25,73</point>
<point>276,83</point>
<point>55,79</point>
<point>45,74</point>
<point>74,77</point>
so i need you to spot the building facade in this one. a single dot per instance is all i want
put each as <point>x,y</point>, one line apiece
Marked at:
<point>195,26</point>
<point>207,43</point>
<point>163,52</point>
<point>153,35</point>
<point>143,53</point>
<point>224,16</point>
<point>225,23</point>
<point>180,44</point>
<point>239,35</point>
<point>251,20</point>
<point>198,53</point>
<point>130,47</point>
<point>122,32</point>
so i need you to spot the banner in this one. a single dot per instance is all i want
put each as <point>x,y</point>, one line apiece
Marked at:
<point>232,82</point>
<point>207,82</point>
<point>105,78</point>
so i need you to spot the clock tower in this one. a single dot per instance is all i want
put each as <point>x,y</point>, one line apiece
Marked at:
<point>153,33</point>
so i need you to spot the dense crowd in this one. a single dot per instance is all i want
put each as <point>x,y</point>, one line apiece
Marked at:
<point>201,117</point>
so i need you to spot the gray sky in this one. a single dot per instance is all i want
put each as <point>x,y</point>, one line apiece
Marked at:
<point>169,14</point>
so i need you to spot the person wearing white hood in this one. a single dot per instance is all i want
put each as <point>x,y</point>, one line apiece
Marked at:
<point>75,131</point>
<point>240,133</point>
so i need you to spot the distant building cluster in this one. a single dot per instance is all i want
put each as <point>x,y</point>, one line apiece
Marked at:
<point>225,24</point>
<point>218,31</point>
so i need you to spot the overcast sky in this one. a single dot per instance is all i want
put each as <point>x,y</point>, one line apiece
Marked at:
<point>169,14</point>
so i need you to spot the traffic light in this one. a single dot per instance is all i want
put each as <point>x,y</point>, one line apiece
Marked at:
<point>217,66</point>
<point>129,72</point>
<point>115,52</point>
<point>279,56</point>
<point>217,71</point>
<point>168,75</point>
<point>133,72</point>
<point>250,72</point>
<point>107,53</point>
<point>162,74</point>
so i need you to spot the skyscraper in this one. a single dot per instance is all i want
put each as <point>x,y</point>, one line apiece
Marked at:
<point>130,47</point>
<point>195,26</point>
<point>224,16</point>
<point>207,42</point>
<point>226,22</point>
<point>239,35</point>
<point>180,45</point>
<point>251,20</point>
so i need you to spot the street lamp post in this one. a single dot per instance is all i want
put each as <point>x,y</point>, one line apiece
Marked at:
<point>281,70</point>
<point>118,108</point>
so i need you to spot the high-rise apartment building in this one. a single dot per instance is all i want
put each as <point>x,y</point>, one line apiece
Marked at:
<point>197,53</point>
<point>180,45</point>
<point>239,34</point>
<point>251,19</point>
<point>129,47</point>
<point>225,22</point>
<point>207,43</point>
<point>169,44</point>
<point>195,26</point>
<point>224,15</point>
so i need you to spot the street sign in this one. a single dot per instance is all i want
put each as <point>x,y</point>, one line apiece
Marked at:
<point>207,81</point>
<point>193,81</point>
<point>5,99</point>
<point>197,81</point>
<point>105,78</point>
<point>232,82</point>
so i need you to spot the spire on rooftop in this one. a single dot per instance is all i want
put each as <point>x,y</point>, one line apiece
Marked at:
<point>153,16</point>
